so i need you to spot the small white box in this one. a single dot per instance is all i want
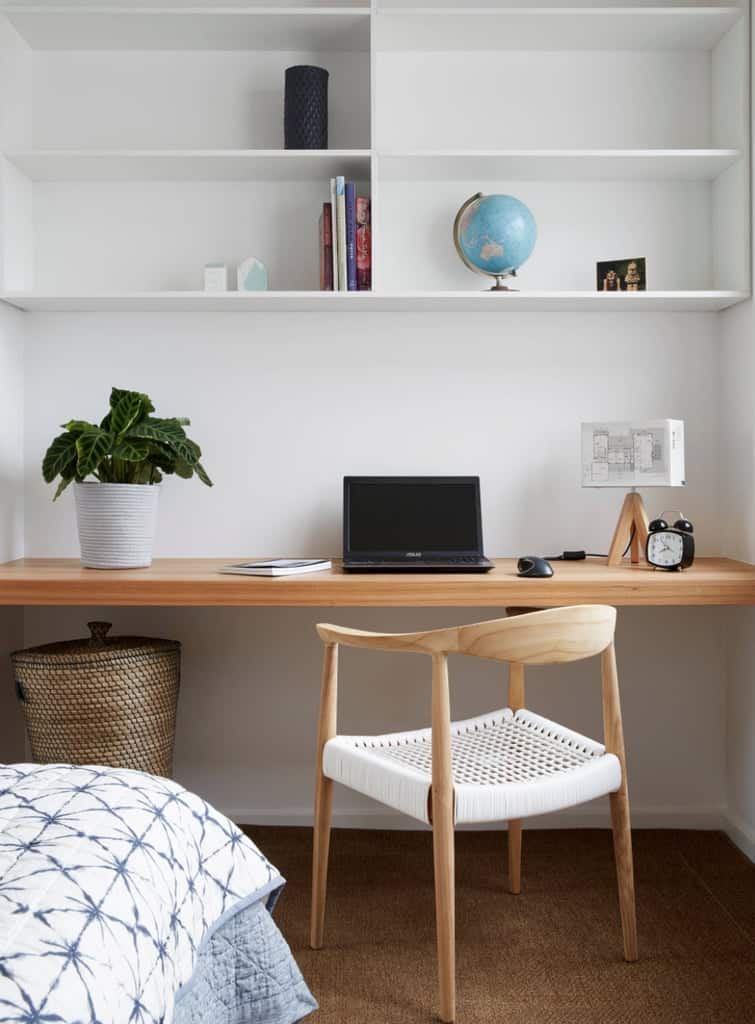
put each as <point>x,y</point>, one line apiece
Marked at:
<point>215,277</point>
<point>640,454</point>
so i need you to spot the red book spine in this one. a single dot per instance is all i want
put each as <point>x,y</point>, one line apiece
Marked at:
<point>326,248</point>
<point>364,245</point>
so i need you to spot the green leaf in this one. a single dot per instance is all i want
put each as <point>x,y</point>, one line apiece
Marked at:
<point>78,426</point>
<point>130,452</point>
<point>162,457</point>
<point>202,474</point>
<point>60,456</point>
<point>168,433</point>
<point>126,411</point>
<point>62,486</point>
<point>116,394</point>
<point>92,447</point>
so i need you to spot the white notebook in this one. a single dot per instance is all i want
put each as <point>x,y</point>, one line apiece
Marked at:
<point>278,567</point>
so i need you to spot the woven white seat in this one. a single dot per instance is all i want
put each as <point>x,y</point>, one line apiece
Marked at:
<point>505,766</point>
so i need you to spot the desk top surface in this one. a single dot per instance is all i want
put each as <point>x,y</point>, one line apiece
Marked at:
<point>197,581</point>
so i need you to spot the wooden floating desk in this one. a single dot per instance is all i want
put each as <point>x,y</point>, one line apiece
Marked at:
<point>197,581</point>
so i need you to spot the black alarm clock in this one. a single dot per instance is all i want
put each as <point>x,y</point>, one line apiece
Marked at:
<point>670,547</point>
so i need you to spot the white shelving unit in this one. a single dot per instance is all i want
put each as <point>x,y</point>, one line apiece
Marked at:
<point>399,302</point>
<point>558,164</point>
<point>192,27</point>
<point>534,27</point>
<point>138,142</point>
<point>192,164</point>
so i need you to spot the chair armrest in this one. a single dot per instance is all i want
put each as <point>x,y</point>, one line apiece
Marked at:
<point>433,642</point>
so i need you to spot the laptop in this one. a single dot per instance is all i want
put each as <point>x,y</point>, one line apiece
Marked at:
<point>412,523</point>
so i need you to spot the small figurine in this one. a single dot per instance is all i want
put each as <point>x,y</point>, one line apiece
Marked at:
<point>632,277</point>
<point>611,282</point>
<point>251,276</point>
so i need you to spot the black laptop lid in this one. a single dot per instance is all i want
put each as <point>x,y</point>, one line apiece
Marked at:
<point>411,516</point>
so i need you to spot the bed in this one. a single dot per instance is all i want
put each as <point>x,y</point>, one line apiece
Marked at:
<point>125,899</point>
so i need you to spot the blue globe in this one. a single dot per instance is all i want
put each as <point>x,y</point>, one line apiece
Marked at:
<point>495,234</point>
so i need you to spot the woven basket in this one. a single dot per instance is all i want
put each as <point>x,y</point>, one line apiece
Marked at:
<point>103,700</point>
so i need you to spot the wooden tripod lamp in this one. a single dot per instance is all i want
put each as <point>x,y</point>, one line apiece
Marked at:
<point>632,455</point>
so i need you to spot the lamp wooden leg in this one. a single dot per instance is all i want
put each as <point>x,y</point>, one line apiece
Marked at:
<point>323,797</point>
<point>622,846</point>
<point>632,527</point>
<point>622,532</point>
<point>443,840</point>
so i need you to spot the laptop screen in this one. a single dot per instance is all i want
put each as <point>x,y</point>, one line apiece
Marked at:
<point>403,515</point>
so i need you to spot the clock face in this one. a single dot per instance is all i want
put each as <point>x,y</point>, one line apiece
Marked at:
<point>665,549</point>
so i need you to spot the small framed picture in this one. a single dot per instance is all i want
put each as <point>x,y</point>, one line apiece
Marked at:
<point>622,275</point>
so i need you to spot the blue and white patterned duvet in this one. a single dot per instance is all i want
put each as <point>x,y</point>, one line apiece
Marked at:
<point>111,884</point>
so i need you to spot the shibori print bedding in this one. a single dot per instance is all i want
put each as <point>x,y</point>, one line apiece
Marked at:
<point>125,899</point>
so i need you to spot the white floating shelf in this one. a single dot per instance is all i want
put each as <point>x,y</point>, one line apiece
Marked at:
<point>193,165</point>
<point>145,27</point>
<point>557,164</point>
<point>552,28</point>
<point>405,302</point>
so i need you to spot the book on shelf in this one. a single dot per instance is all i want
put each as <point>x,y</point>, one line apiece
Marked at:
<point>363,245</point>
<point>333,209</point>
<point>351,232</point>
<point>341,233</point>
<point>326,248</point>
<point>345,240</point>
<point>278,567</point>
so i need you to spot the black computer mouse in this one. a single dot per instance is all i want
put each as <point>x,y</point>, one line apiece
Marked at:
<point>532,566</point>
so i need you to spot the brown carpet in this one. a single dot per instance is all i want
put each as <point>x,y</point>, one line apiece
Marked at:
<point>549,956</point>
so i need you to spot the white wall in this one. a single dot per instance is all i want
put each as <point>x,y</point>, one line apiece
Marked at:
<point>737,481</point>
<point>11,513</point>
<point>737,488</point>
<point>284,407</point>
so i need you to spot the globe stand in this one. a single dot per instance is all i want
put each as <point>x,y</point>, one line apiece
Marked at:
<point>499,286</point>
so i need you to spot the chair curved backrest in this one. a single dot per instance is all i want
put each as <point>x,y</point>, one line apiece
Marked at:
<point>553,636</point>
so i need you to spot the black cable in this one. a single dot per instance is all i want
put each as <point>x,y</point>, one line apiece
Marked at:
<point>574,556</point>
<point>631,538</point>
<point>579,556</point>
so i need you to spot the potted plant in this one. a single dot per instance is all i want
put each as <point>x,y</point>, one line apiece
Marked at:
<point>127,456</point>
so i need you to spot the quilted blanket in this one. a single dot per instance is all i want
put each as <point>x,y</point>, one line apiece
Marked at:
<point>114,887</point>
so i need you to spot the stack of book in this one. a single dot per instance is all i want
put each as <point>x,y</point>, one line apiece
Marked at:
<point>345,240</point>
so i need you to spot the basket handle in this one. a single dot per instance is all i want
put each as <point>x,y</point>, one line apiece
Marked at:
<point>99,631</point>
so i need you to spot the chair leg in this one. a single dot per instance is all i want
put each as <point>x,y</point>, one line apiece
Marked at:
<point>442,804</point>
<point>515,856</point>
<point>516,701</point>
<point>622,846</point>
<point>445,914</point>
<point>320,851</point>
<point>323,795</point>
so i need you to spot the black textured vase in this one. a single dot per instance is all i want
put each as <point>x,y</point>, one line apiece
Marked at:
<point>305,116</point>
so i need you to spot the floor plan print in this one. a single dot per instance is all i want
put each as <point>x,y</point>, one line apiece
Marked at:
<point>633,455</point>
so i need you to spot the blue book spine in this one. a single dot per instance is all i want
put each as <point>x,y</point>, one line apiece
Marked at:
<point>351,236</point>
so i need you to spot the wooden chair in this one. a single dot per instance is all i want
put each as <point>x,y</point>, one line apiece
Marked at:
<point>500,767</point>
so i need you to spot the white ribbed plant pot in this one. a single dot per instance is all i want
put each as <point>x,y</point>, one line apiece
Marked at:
<point>117,524</point>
